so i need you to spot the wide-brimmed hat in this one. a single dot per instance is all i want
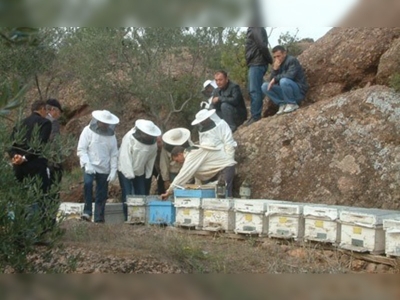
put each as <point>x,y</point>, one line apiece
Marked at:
<point>176,136</point>
<point>55,103</point>
<point>202,115</point>
<point>148,127</point>
<point>209,82</point>
<point>105,116</point>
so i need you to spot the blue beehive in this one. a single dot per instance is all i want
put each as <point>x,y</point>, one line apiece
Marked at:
<point>194,193</point>
<point>160,212</point>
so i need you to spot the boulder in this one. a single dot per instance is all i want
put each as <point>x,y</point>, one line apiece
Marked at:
<point>344,150</point>
<point>345,59</point>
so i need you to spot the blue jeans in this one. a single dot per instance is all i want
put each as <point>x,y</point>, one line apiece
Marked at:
<point>256,79</point>
<point>286,92</point>
<point>135,186</point>
<point>100,196</point>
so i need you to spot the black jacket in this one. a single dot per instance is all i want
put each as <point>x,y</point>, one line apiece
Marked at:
<point>232,95</point>
<point>257,52</point>
<point>291,69</point>
<point>27,126</point>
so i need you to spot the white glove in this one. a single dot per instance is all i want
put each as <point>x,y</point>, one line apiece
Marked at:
<point>112,176</point>
<point>89,169</point>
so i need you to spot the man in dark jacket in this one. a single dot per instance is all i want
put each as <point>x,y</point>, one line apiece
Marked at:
<point>288,85</point>
<point>228,101</point>
<point>26,158</point>
<point>258,58</point>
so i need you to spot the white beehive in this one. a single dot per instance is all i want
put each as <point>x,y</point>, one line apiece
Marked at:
<point>285,220</point>
<point>250,216</point>
<point>362,229</point>
<point>218,214</point>
<point>136,208</point>
<point>391,226</point>
<point>320,223</point>
<point>70,210</point>
<point>188,212</point>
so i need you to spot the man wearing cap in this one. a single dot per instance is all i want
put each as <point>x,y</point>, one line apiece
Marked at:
<point>174,137</point>
<point>203,162</point>
<point>228,101</point>
<point>27,157</point>
<point>28,160</point>
<point>137,156</point>
<point>208,89</point>
<point>214,132</point>
<point>98,155</point>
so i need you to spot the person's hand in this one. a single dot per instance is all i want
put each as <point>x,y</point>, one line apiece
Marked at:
<point>165,196</point>
<point>215,100</point>
<point>89,169</point>
<point>17,159</point>
<point>276,64</point>
<point>271,83</point>
<point>167,183</point>
<point>112,176</point>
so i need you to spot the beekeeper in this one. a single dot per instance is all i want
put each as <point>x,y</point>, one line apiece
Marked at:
<point>208,89</point>
<point>137,156</point>
<point>214,132</point>
<point>174,137</point>
<point>205,163</point>
<point>98,155</point>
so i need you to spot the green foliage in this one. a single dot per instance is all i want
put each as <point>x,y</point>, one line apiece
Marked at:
<point>162,67</point>
<point>233,56</point>
<point>23,221</point>
<point>290,42</point>
<point>395,82</point>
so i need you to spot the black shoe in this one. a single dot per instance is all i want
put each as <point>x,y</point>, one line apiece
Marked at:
<point>86,217</point>
<point>250,121</point>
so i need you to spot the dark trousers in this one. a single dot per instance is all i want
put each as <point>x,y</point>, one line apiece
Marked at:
<point>45,203</point>
<point>30,169</point>
<point>230,114</point>
<point>100,195</point>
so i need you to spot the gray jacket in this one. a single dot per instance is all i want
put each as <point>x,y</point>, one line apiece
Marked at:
<point>291,69</point>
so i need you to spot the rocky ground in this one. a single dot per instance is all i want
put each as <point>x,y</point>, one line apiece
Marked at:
<point>106,248</point>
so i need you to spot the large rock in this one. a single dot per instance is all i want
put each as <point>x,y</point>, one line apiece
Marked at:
<point>345,59</point>
<point>344,150</point>
<point>389,63</point>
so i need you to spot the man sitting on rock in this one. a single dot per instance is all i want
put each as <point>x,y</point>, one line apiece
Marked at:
<point>228,101</point>
<point>288,85</point>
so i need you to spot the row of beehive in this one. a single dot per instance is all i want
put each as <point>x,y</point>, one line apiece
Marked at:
<point>357,229</point>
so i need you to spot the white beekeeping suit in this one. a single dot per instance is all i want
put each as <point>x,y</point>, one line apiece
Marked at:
<point>97,149</point>
<point>218,136</point>
<point>203,163</point>
<point>135,157</point>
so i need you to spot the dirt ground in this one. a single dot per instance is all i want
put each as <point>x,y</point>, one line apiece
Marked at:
<point>123,248</point>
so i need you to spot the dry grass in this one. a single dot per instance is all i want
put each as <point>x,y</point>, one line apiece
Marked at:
<point>190,252</point>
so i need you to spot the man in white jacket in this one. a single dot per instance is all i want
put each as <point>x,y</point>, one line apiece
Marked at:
<point>214,132</point>
<point>137,156</point>
<point>203,163</point>
<point>98,155</point>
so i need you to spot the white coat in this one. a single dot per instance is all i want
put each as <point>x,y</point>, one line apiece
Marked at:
<point>136,158</point>
<point>203,164</point>
<point>219,137</point>
<point>101,151</point>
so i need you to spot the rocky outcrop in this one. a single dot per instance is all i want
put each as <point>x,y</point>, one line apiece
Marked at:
<point>349,58</point>
<point>344,150</point>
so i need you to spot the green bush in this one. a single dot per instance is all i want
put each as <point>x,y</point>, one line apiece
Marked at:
<point>395,82</point>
